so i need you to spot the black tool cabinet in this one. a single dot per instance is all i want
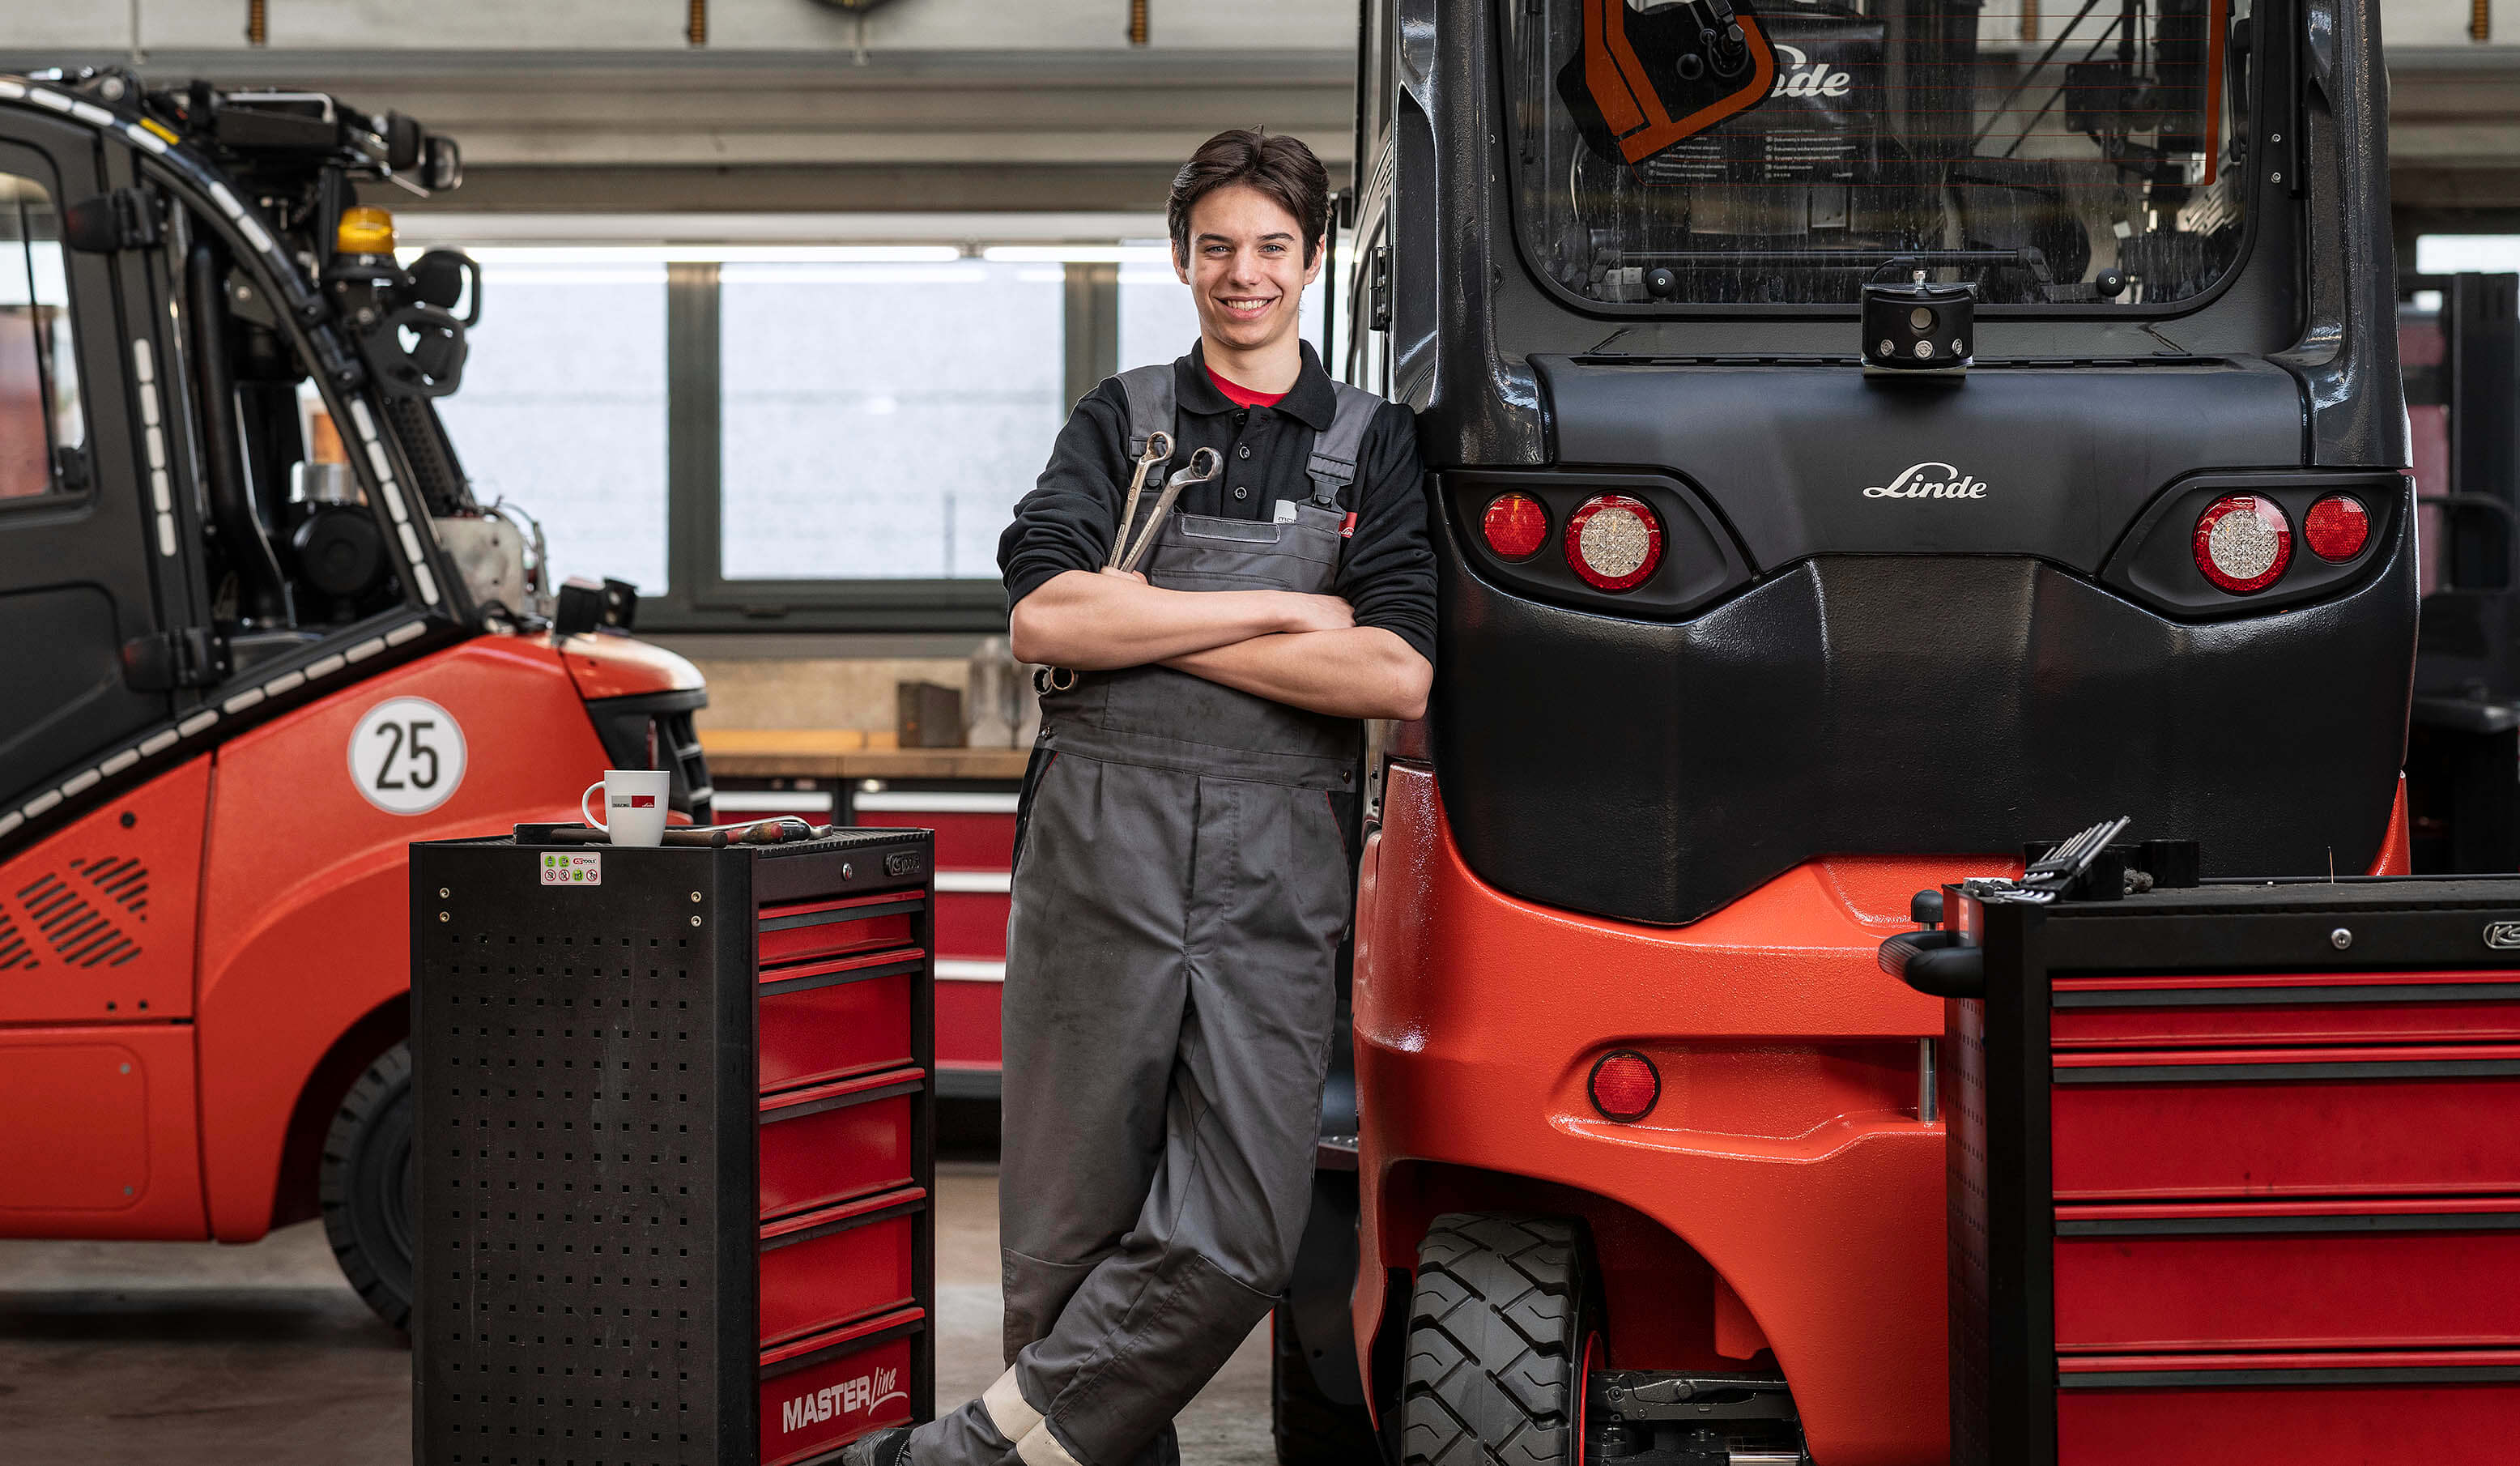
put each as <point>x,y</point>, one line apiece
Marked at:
<point>675,1178</point>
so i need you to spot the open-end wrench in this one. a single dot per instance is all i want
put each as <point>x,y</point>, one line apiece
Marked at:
<point>1195,474</point>
<point>1159,448</point>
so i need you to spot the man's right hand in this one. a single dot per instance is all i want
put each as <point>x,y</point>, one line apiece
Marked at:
<point>1308,613</point>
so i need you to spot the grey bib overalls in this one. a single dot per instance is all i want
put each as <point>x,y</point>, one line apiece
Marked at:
<point>1182,885</point>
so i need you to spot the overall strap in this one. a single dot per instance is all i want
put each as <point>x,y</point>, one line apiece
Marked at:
<point>1335,448</point>
<point>1150,394</point>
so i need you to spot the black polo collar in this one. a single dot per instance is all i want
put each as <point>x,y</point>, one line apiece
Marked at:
<point>1313,402</point>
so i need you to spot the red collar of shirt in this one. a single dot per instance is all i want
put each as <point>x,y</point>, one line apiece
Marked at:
<point>1238,395</point>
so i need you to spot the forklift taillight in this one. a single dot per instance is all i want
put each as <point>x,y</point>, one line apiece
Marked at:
<point>2243,542</point>
<point>1614,542</point>
<point>2336,528</point>
<point>1624,1085</point>
<point>1515,525</point>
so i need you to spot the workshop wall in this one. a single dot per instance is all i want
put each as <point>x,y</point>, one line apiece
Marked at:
<point>854,693</point>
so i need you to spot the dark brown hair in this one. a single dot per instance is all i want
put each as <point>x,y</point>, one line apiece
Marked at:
<point>1281,168</point>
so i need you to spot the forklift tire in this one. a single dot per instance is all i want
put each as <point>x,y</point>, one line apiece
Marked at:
<point>1499,1326</point>
<point>1311,1428</point>
<point>367,1182</point>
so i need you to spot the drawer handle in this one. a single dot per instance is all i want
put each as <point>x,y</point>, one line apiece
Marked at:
<point>2279,1072</point>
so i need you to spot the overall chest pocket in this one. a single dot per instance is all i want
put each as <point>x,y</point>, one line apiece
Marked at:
<point>1204,552</point>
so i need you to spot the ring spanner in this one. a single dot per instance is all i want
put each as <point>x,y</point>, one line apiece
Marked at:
<point>1195,474</point>
<point>1159,446</point>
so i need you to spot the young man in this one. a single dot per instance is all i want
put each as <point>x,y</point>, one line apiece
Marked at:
<point>1182,874</point>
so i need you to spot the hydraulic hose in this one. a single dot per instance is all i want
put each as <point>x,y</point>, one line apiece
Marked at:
<point>262,591</point>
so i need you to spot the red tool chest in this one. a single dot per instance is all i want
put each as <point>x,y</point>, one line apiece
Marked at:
<point>2234,1175</point>
<point>975,841</point>
<point>675,1177</point>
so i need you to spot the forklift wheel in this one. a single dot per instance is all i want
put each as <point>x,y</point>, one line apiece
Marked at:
<point>1497,1331</point>
<point>366,1186</point>
<point>1311,1428</point>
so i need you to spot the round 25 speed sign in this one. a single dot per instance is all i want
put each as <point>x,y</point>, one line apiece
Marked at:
<point>407,756</point>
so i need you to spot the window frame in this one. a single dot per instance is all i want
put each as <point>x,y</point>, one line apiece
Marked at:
<point>36,166</point>
<point>699,596</point>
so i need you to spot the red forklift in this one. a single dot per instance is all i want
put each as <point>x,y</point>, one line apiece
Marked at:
<point>1866,437</point>
<point>258,637</point>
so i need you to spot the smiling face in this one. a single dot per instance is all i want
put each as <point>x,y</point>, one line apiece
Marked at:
<point>1247,268</point>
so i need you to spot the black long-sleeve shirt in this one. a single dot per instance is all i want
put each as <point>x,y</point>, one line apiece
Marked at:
<point>1387,572</point>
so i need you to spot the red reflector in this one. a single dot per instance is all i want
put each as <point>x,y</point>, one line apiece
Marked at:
<point>1625,1086</point>
<point>1614,542</point>
<point>1515,524</point>
<point>2336,528</point>
<point>2243,542</point>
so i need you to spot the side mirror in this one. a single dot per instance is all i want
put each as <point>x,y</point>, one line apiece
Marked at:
<point>585,605</point>
<point>445,277</point>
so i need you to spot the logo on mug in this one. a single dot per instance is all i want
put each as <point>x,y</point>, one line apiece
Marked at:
<point>634,802</point>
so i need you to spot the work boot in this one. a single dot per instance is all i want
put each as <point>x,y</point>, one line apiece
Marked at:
<point>884,1448</point>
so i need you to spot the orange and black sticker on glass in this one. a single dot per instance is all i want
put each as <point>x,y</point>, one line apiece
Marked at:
<point>1645,79</point>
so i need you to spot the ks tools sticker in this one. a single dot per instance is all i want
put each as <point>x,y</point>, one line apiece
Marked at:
<point>572,868</point>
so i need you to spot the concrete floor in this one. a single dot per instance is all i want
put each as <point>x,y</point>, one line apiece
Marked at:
<point>260,1355</point>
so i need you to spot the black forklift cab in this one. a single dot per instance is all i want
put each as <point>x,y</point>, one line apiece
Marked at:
<point>1621,249</point>
<point>220,468</point>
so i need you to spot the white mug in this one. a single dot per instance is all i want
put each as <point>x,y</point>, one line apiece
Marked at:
<point>634,799</point>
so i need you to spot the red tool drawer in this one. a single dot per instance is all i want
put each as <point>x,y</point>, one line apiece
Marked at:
<point>2288,1008</point>
<point>797,930</point>
<point>2387,1410</point>
<point>819,1021</point>
<point>977,837</point>
<point>971,922</point>
<point>838,1264</point>
<point>819,1393</point>
<point>2360,1274</point>
<point>2236,1122</point>
<point>836,1141</point>
<point>967,1024</point>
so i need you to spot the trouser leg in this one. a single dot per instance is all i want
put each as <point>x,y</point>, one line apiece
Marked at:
<point>1215,1241</point>
<point>1096,987</point>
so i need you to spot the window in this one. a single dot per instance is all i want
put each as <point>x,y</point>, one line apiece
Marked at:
<point>2456,254</point>
<point>41,427</point>
<point>563,407</point>
<point>2094,157</point>
<point>880,420</point>
<point>816,435</point>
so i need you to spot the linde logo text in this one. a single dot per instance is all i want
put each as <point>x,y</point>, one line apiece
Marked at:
<point>864,1394</point>
<point>1929,480</point>
<point>1798,76</point>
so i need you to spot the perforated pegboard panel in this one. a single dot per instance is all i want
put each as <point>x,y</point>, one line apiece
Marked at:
<point>585,1107</point>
